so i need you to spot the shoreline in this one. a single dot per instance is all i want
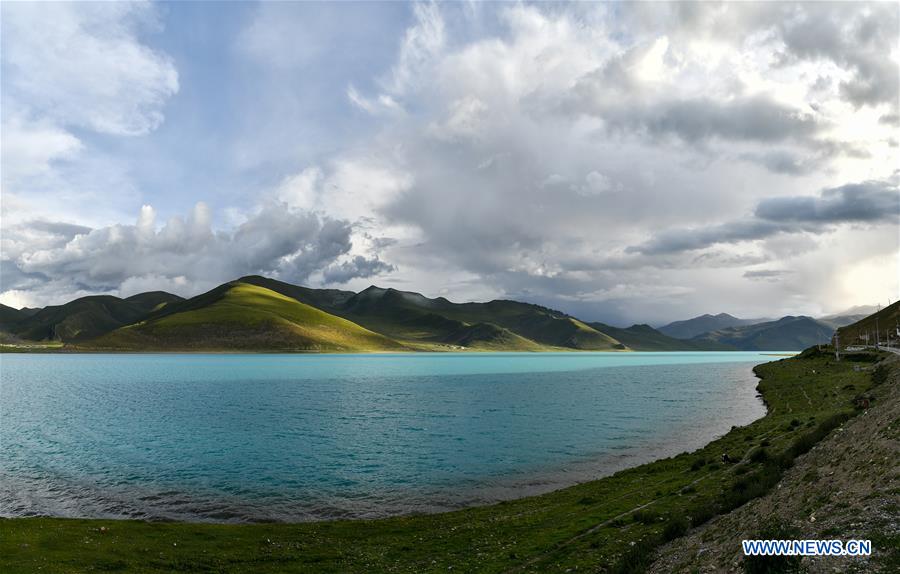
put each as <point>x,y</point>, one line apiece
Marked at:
<point>587,525</point>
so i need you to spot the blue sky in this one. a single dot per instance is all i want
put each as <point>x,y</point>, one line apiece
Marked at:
<point>623,162</point>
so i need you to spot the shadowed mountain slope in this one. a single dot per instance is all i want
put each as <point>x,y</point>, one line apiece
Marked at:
<point>9,316</point>
<point>88,317</point>
<point>690,328</point>
<point>646,338</point>
<point>786,334</point>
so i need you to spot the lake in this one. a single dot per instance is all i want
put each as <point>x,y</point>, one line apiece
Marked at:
<point>227,437</point>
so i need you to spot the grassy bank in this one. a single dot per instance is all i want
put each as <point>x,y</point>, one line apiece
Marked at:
<point>590,526</point>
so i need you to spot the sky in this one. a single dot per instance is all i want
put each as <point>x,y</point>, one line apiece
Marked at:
<point>622,162</point>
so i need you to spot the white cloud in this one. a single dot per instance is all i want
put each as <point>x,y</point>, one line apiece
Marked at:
<point>30,147</point>
<point>423,41</point>
<point>83,65</point>
<point>76,68</point>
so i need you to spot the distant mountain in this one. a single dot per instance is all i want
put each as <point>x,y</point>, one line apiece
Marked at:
<point>690,328</point>
<point>646,338</point>
<point>786,334</point>
<point>862,310</point>
<point>837,321</point>
<point>87,317</point>
<point>241,316</point>
<point>885,321</point>
<point>848,316</point>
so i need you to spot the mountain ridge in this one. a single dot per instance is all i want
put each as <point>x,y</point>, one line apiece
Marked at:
<point>256,313</point>
<point>689,328</point>
<point>788,333</point>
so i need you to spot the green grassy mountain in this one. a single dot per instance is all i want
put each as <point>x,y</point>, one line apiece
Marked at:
<point>87,317</point>
<point>414,318</point>
<point>786,334</point>
<point>241,316</point>
<point>885,321</point>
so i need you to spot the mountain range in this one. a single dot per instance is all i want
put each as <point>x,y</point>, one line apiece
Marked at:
<point>703,324</point>
<point>260,314</point>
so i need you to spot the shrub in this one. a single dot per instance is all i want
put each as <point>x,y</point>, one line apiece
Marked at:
<point>879,375</point>
<point>773,530</point>
<point>702,513</point>
<point>646,516</point>
<point>752,486</point>
<point>698,464</point>
<point>675,528</point>
<point>808,440</point>
<point>759,455</point>
<point>637,558</point>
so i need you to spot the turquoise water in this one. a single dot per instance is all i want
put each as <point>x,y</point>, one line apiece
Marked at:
<point>299,437</point>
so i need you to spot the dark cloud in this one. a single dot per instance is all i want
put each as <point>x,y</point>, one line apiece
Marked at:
<point>11,277</point>
<point>890,120</point>
<point>857,37</point>
<point>276,240</point>
<point>866,202</point>
<point>59,229</point>
<point>784,162</point>
<point>677,240</point>
<point>758,119</point>
<point>359,266</point>
<point>766,274</point>
<point>614,94</point>
<point>869,201</point>
<point>38,235</point>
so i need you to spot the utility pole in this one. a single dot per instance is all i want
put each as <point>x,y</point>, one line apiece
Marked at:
<point>837,346</point>
<point>877,334</point>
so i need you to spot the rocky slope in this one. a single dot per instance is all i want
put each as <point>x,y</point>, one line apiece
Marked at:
<point>846,487</point>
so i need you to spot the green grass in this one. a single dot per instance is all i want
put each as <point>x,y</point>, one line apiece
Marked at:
<point>247,317</point>
<point>589,527</point>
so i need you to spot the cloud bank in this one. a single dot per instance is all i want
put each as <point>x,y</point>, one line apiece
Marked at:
<point>623,162</point>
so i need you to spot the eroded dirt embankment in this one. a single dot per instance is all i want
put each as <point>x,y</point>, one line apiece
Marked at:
<point>846,487</point>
